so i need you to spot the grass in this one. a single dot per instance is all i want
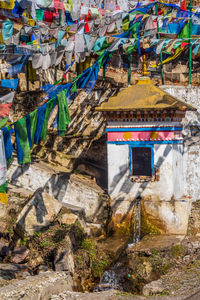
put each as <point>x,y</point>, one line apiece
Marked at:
<point>177,250</point>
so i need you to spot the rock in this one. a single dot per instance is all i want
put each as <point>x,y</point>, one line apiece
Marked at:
<point>17,199</point>
<point>68,218</point>
<point>37,214</point>
<point>4,249</point>
<point>152,288</point>
<point>42,269</point>
<point>37,287</point>
<point>12,271</point>
<point>36,260</point>
<point>64,258</point>
<point>20,253</point>
<point>105,295</point>
<point>94,230</point>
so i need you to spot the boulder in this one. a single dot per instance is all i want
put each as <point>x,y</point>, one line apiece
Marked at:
<point>37,214</point>
<point>64,258</point>
<point>152,288</point>
<point>68,218</point>
<point>37,287</point>
<point>19,254</point>
<point>13,271</point>
<point>94,230</point>
<point>4,249</point>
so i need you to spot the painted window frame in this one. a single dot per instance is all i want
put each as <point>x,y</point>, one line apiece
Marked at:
<point>142,145</point>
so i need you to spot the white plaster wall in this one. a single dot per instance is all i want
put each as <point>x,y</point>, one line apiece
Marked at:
<point>169,185</point>
<point>163,200</point>
<point>173,215</point>
<point>191,162</point>
<point>118,167</point>
<point>179,181</point>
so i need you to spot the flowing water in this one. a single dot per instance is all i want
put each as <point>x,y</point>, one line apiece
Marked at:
<point>111,278</point>
<point>137,222</point>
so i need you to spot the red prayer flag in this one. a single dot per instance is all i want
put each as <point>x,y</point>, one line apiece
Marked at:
<point>183,5</point>
<point>5,109</point>
<point>5,104</point>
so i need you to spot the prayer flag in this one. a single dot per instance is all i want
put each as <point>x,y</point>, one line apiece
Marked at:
<point>183,5</point>
<point>5,104</point>
<point>3,169</point>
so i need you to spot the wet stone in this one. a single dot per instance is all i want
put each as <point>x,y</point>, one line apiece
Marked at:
<point>19,254</point>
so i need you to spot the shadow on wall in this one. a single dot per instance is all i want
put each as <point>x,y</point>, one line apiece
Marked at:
<point>128,213</point>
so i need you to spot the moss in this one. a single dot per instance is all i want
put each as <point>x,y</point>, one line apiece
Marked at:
<point>90,262</point>
<point>177,250</point>
<point>123,229</point>
<point>88,244</point>
<point>148,227</point>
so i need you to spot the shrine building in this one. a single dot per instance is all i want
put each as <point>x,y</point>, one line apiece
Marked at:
<point>145,152</point>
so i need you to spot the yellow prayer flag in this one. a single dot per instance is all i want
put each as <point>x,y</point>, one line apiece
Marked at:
<point>177,53</point>
<point>31,22</point>
<point>67,6</point>
<point>3,198</point>
<point>7,5</point>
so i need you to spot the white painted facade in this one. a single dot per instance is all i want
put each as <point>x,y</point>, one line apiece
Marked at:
<point>164,199</point>
<point>190,95</point>
<point>168,159</point>
<point>167,200</point>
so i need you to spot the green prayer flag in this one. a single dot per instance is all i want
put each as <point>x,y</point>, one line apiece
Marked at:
<point>3,122</point>
<point>3,187</point>
<point>185,32</point>
<point>49,108</point>
<point>33,124</point>
<point>23,148</point>
<point>63,112</point>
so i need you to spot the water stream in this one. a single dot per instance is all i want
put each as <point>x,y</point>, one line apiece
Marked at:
<point>137,223</point>
<point>111,278</point>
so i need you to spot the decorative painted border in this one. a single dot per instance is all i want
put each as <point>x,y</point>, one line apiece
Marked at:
<point>144,135</point>
<point>134,143</point>
<point>169,128</point>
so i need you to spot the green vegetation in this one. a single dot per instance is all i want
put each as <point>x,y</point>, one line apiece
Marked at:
<point>177,250</point>
<point>98,261</point>
<point>154,252</point>
<point>37,233</point>
<point>22,242</point>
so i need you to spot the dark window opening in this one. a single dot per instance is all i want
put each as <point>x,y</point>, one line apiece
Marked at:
<point>141,161</point>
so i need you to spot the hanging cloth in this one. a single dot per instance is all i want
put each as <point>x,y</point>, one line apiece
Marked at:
<point>50,106</point>
<point>10,83</point>
<point>31,124</point>
<point>7,28</point>
<point>40,121</point>
<point>3,166</point>
<point>63,113</point>
<point>22,142</point>
<point>31,72</point>
<point>7,132</point>
<point>3,169</point>
<point>5,104</point>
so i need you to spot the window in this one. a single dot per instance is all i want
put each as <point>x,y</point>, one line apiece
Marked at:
<point>141,161</point>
